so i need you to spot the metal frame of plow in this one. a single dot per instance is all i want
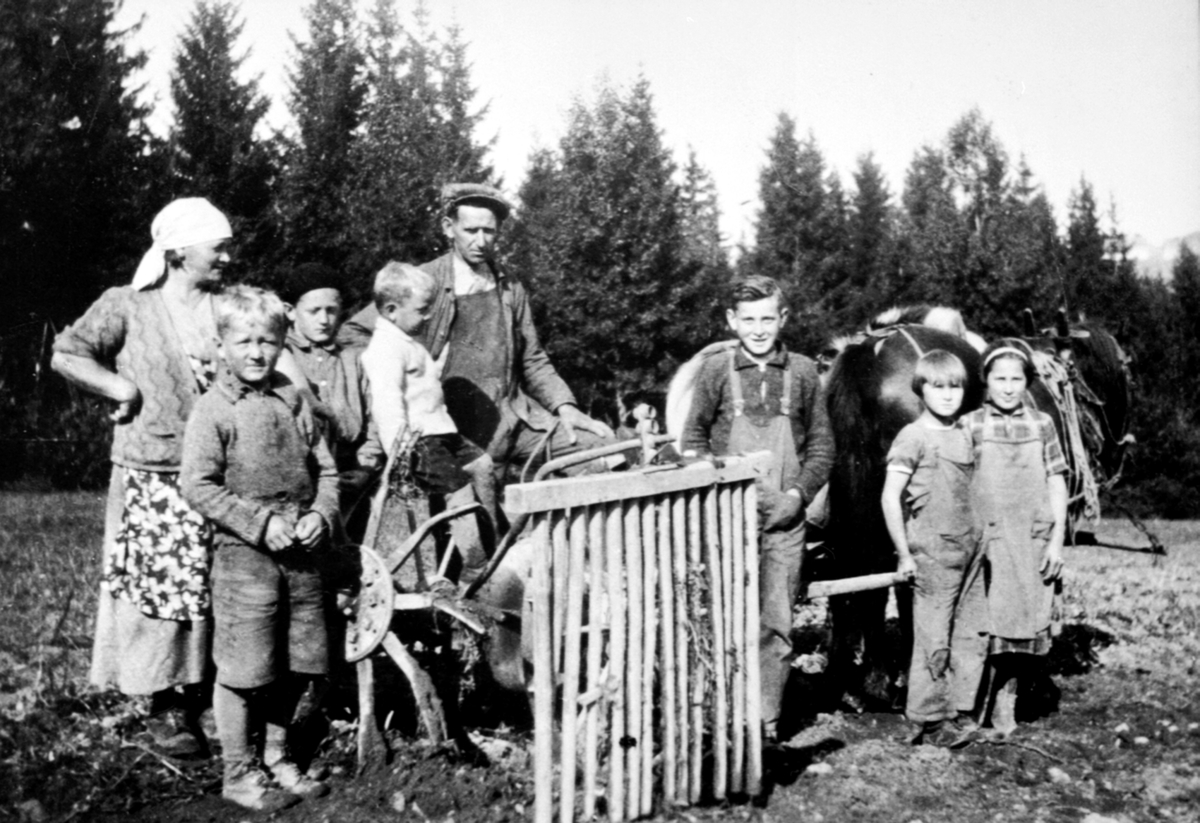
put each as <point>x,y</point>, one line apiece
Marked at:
<point>645,605</point>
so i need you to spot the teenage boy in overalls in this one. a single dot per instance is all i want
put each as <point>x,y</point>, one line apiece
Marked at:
<point>757,396</point>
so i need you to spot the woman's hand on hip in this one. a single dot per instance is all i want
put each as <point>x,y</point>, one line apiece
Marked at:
<point>126,410</point>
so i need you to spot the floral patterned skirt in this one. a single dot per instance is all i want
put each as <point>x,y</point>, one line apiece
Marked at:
<point>134,652</point>
<point>162,553</point>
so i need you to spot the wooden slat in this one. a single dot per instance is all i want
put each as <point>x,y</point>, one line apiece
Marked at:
<point>712,540</point>
<point>633,671</point>
<point>650,653</point>
<point>614,539</point>
<point>753,664</point>
<point>572,651</point>
<point>680,597</point>
<point>700,672</point>
<point>543,676</point>
<point>565,493</point>
<point>595,644</point>
<point>733,538</point>
<point>667,685</point>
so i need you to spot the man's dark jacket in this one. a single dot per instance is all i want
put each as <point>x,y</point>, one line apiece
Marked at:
<point>535,389</point>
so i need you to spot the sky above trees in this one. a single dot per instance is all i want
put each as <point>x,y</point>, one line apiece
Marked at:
<point>1109,90</point>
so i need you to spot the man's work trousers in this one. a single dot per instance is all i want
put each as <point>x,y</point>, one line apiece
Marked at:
<point>780,558</point>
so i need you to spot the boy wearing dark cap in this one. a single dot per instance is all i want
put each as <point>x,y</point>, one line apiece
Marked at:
<point>333,373</point>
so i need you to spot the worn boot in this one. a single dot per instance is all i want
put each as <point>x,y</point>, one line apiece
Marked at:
<point>283,769</point>
<point>248,786</point>
<point>288,775</point>
<point>966,731</point>
<point>168,729</point>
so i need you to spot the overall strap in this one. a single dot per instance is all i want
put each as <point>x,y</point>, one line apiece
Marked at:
<point>785,402</point>
<point>735,385</point>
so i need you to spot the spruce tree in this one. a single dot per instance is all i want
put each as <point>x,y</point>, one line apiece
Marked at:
<point>800,235</point>
<point>601,243</point>
<point>974,235</point>
<point>215,152</point>
<point>870,238</point>
<point>417,136</point>
<point>78,168</point>
<point>777,249</point>
<point>700,300</point>
<point>701,213</point>
<point>1089,263</point>
<point>328,89</point>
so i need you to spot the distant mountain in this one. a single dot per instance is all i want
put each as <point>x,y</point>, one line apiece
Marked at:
<point>1157,261</point>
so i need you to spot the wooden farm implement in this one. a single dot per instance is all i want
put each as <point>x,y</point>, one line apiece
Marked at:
<point>642,606</point>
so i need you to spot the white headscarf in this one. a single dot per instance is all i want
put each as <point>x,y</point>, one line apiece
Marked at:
<point>182,223</point>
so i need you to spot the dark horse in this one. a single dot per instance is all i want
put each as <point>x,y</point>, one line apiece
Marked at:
<point>870,399</point>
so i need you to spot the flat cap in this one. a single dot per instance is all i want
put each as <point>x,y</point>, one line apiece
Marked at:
<point>309,277</point>
<point>475,194</point>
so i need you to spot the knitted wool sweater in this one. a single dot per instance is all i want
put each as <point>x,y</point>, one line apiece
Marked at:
<point>132,332</point>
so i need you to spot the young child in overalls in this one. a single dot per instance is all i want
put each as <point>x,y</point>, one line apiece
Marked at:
<point>927,508</point>
<point>758,396</point>
<point>1020,496</point>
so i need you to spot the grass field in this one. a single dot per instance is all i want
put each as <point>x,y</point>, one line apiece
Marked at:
<point>49,567</point>
<point>1122,745</point>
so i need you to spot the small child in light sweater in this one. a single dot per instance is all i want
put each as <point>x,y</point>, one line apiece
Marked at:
<point>406,396</point>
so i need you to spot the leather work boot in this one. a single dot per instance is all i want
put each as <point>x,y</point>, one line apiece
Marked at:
<point>246,785</point>
<point>171,735</point>
<point>288,775</point>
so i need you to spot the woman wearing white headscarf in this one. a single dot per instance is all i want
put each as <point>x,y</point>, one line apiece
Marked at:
<point>151,348</point>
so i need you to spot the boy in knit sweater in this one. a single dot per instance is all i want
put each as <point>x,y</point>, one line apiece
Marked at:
<point>255,464</point>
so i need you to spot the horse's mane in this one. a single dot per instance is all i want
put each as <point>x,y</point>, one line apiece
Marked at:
<point>855,431</point>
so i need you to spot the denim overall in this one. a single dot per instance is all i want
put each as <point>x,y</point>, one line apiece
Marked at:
<point>949,613</point>
<point>781,549</point>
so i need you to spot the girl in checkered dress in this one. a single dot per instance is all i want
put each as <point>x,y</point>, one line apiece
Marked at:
<point>1020,500</point>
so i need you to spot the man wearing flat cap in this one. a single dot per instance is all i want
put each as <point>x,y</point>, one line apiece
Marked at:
<point>501,388</point>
